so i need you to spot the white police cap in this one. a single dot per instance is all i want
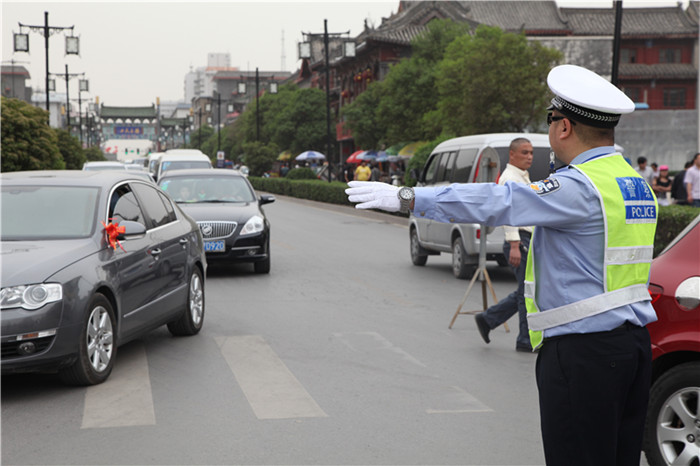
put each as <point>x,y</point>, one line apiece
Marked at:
<point>584,96</point>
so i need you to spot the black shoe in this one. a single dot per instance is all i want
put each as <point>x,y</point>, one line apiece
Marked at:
<point>523,348</point>
<point>483,327</point>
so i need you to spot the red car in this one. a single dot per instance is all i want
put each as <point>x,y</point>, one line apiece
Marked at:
<point>672,433</point>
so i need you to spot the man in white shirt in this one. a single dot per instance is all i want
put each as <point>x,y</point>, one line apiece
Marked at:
<point>692,182</point>
<point>515,250</point>
<point>645,170</point>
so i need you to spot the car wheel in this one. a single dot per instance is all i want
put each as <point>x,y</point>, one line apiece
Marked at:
<point>673,417</point>
<point>459,268</point>
<point>264,265</point>
<point>190,322</point>
<point>97,349</point>
<point>417,256</point>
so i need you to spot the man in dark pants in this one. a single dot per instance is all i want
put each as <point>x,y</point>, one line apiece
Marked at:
<point>587,271</point>
<point>515,246</point>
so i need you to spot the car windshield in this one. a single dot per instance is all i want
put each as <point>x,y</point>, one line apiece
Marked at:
<point>208,189</point>
<point>184,164</point>
<point>47,212</point>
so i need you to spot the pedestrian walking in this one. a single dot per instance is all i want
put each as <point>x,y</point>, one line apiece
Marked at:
<point>586,275</point>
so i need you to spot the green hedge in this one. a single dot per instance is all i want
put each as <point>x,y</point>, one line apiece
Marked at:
<point>672,219</point>
<point>315,190</point>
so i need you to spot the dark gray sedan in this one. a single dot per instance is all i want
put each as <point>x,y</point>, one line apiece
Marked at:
<point>229,213</point>
<point>91,260</point>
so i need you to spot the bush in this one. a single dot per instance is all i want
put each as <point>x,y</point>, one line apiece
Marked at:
<point>301,173</point>
<point>671,221</point>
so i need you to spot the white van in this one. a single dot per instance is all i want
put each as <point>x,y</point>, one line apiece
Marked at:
<point>470,159</point>
<point>152,163</point>
<point>179,159</point>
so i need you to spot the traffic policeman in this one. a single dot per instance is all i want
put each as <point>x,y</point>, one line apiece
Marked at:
<point>587,270</point>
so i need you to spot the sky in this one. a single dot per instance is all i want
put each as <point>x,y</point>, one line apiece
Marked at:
<point>135,52</point>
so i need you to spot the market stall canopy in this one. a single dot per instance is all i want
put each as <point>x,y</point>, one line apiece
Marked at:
<point>409,149</point>
<point>310,155</point>
<point>360,155</point>
<point>285,155</point>
<point>394,150</point>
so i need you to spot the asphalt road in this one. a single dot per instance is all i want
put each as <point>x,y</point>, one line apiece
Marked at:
<point>341,355</point>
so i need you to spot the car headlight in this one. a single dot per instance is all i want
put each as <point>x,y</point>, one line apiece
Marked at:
<point>255,224</point>
<point>30,296</point>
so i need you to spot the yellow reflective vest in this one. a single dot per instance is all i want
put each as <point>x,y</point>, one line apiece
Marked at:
<point>629,212</point>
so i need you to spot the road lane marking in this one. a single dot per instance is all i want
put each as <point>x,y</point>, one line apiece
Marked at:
<point>270,387</point>
<point>378,342</point>
<point>125,399</point>
<point>460,401</point>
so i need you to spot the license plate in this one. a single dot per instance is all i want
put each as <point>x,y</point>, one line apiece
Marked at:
<point>214,246</point>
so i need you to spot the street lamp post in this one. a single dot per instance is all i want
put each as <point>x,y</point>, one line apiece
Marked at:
<point>348,50</point>
<point>21,44</point>
<point>328,100</point>
<point>218,122</point>
<point>257,105</point>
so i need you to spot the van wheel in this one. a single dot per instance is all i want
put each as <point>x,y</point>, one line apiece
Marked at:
<point>459,268</point>
<point>417,255</point>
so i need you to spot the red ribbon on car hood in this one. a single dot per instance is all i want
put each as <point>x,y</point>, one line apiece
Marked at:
<point>113,230</point>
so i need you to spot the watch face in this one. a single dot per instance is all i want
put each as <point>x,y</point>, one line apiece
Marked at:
<point>406,194</point>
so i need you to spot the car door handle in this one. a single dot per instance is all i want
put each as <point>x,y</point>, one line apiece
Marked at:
<point>154,252</point>
<point>183,241</point>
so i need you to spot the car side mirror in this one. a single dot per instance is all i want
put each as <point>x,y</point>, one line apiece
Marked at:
<point>131,229</point>
<point>266,200</point>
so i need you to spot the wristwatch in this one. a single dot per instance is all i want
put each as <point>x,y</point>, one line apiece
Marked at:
<point>406,195</point>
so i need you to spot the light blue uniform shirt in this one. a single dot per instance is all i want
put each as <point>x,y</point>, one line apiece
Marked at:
<point>568,242</point>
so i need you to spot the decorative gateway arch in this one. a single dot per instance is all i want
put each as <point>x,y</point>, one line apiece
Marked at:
<point>132,132</point>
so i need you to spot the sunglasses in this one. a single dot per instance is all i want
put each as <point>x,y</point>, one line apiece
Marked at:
<point>551,118</point>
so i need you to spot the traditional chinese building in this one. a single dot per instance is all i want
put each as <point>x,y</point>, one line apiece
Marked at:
<point>658,60</point>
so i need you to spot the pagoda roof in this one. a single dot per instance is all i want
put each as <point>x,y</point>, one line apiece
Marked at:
<point>636,22</point>
<point>127,112</point>
<point>658,71</point>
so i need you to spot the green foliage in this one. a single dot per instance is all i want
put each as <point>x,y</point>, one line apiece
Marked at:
<point>430,47</point>
<point>94,154</point>
<point>301,173</point>
<point>71,151</point>
<point>259,157</point>
<point>28,143</point>
<point>199,137</point>
<point>493,82</point>
<point>396,108</point>
<point>671,221</point>
<point>361,117</point>
<point>294,119</point>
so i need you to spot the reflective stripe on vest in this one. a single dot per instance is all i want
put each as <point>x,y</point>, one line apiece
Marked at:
<point>629,213</point>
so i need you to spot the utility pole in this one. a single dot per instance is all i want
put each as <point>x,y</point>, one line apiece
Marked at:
<point>67,77</point>
<point>257,106</point>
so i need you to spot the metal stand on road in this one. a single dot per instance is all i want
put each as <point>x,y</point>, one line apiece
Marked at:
<point>483,275</point>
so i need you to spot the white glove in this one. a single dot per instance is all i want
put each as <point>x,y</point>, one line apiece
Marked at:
<point>374,195</point>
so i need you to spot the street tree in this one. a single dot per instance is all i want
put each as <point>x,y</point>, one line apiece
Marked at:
<point>259,157</point>
<point>71,150</point>
<point>28,143</point>
<point>493,81</point>
<point>395,109</point>
<point>361,117</point>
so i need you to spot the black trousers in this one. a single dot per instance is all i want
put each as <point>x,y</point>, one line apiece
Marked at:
<point>593,391</point>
